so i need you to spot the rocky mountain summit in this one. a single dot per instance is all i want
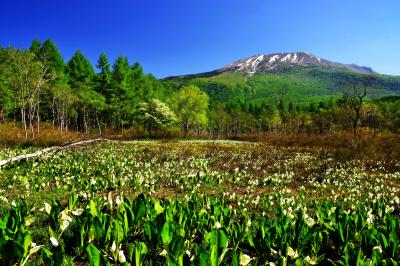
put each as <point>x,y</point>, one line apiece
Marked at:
<point>279,62</point>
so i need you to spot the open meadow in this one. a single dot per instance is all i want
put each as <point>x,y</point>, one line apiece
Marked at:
<point>200,133</point>
<point>198,203</point>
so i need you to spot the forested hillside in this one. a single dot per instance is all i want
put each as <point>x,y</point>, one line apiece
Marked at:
<point>38,88</point>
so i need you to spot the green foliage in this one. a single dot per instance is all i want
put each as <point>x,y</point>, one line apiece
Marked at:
<point>390,108</point>
<point>121,96</point>
<point>103,78</point>
<point>120,77</point>
<point>299,85</point>
<point>236,203</point>
<point>6,89</point>
<point>49,53</point>
<point>191,106</point>
<point>332,236</point>
<point>80,71</point>
<point>16,244</point>
<point>35,47</point>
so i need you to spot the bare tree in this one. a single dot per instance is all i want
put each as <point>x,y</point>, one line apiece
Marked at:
<point>354,97</point>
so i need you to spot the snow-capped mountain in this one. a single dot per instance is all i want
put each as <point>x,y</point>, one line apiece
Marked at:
<point>259,64</point>
<point>305,75</point>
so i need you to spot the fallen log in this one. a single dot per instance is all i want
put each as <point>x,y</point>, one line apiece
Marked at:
<point>47,150</point>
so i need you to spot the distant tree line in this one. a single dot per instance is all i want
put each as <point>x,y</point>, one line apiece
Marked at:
<point>314,118</point>
<point>37,87</point>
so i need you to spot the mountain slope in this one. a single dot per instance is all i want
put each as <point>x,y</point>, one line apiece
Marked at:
<point>298,77</point>
<point>279,62</point>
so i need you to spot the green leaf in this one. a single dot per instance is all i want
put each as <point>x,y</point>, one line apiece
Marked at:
<point>159,209</point>
<point>167,233</point>
<point>136,252</point>
<point>139,208</point>
<point>218,244</point>
<point>218,238</point>
<point>384,241</point>
<point>176,246</point>
<point>11,252</point>
<point>118,231</point>
<point>341,232</point>
<point>31,252</point>
<point>95,257</point>
<point>72,200</point>
<point>27,244</point>
<point>96,230</point>
<point>93,208</point>
<point>47,256</point>
<point>58,256</point>
<point>235,259</point>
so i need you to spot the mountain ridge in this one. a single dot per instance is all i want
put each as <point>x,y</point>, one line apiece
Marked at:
<point>278,63</point>
<point>296,77</point>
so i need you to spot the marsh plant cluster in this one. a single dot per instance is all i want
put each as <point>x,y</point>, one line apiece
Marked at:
<point>198,203</point>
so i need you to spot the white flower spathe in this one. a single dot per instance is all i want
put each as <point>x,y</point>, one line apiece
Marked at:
<point>47,207</point>
<point>121,256</point>
<point>113,247</point>
<point>377,248</point>
<point>54,241</point>
<point>217,225</point>
<point>244,259</point>
<point>292,253</point>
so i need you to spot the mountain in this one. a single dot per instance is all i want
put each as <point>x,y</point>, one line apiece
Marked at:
<point>298,77</point>
<point>278,62</point>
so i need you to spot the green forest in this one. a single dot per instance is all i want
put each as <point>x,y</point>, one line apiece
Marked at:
<point>39,89</point>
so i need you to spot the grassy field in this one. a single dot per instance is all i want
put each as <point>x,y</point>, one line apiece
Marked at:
<point>198,203</point>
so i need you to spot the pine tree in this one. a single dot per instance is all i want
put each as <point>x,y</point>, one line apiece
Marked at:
<point>80,71</point>
<point>35,47</point>
<point>81,79</point>
<point>103,79</point>
<point>120,77</point>
<point>121,105</point>
<point>138,87</point>
<point>50,54</point>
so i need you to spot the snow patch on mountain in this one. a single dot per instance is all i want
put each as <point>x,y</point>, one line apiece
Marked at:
<point>294,60</point>
<point>273,58</point>
<point>262,63</point>
<point>286,58</point>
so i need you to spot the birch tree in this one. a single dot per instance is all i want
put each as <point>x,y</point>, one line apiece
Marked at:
<point>29,76</point>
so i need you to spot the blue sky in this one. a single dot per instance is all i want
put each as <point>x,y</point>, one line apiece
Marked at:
<point>182,36</point>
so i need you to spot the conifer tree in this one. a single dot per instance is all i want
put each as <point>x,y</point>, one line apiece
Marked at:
<point>50,54</point>
<point>80,71</point>
<point>35,47</point>
<point>103,79</point>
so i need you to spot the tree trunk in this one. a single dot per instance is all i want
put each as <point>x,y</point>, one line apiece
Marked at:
<point>23,118</point>
<point>98,123</point>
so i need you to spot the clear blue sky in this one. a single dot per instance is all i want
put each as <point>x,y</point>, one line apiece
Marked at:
<point>172,37</point>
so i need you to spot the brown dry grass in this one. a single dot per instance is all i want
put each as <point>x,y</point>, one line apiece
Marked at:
<point>384,147</point>
<point>13,135</point>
